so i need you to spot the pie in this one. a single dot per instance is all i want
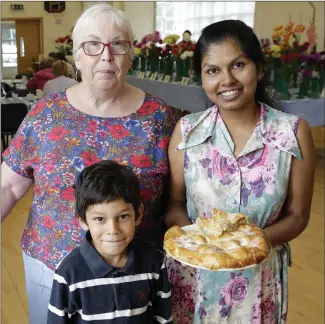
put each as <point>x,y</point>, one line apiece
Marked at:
<point>225,241</point>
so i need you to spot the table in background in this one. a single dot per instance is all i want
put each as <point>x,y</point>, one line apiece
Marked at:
<point>192,98</point>
<point>28,103</point>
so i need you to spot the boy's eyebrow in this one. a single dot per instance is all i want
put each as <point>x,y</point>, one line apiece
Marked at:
<point>94,213</point>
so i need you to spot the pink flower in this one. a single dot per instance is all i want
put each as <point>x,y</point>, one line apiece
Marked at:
<point>235,291</point>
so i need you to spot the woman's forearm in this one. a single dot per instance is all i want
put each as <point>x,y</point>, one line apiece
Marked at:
<point>8,201</point>
<point>177,215</point>
<point>286,229</point>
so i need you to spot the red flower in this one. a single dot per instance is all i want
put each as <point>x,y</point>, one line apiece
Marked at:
<point>48,222</point>
<point>89,158</point>
<point>175,51</point>
<point>68,194</point>
<point>148,108</point>
<point>118,131</point>
<point>146,194</point>
<point>18,142</point>
<point>283,58</point>
<point>34,160</point>
<point>141,161</point>
<point>37,108</point>
<point>304,46</point>
<point>92,126</point>
<point>57,133</point>
<point>163,144</point>
<point>35,236</point>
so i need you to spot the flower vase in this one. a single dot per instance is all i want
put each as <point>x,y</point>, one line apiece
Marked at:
<point>135,63</point>
<point>161,65</point>
<point>303,89</point>
<point>168,67</point>
<point>295,80</point>
<point>321,81</point>
<point>154,62</point>
<point>185,67</point>
<point>143,64</point>
<point>179,63</point>
<point>267,77</point>
<point>277,80</point>
<point>284,88</point>
<point>314,87</point>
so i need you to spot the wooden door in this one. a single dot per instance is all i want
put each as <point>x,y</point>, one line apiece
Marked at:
<point>28,37</point>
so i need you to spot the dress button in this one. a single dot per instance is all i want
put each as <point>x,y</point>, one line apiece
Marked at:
<point>235,202</point>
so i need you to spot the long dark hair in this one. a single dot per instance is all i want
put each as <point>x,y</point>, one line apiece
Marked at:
<point>245,37</point>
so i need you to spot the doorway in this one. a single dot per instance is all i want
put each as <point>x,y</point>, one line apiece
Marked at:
<point>28,42</point>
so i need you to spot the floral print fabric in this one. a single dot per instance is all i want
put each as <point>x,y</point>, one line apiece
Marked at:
<point>254,183</point>
<point>56,141</point>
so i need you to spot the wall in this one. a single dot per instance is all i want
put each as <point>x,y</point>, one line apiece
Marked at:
<point>270,14</point>
<point>51,30</point>
<point>141,16</point>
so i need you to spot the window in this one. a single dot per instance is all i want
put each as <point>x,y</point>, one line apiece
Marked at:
<point>176,17</point>
<point>9,46</point>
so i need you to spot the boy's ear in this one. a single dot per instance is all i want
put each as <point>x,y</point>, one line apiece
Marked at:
<point>83,225</point>
<point>140,215</point>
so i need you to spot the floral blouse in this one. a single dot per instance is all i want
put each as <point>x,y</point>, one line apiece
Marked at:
<point>254,183</point>
<point>56,141</point>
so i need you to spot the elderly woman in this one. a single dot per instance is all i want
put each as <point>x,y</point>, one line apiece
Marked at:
<point>42,76</point>
<point>61,81</point>
<point>101,118</point>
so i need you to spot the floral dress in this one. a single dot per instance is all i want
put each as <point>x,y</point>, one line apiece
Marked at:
<point>56,142</point>
<point>254,183</point>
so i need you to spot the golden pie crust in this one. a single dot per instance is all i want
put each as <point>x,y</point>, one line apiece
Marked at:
<point>226,241</point>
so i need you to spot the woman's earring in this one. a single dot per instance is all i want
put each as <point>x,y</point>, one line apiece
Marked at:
<point>78,77</point>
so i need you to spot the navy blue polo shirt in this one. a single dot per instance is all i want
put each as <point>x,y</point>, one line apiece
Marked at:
<point>88,290</point>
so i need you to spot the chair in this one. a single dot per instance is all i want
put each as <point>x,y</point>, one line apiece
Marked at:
<point>11,117</point>
<point>5,89</point>
<point>22,92</point>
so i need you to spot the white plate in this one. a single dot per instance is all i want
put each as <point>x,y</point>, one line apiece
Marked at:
<point>190,228</point>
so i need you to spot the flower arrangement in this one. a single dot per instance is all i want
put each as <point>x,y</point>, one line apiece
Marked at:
<point>285,57</point>
<point>149,51</point>
<point>171,39</point>
<point>64,44</point>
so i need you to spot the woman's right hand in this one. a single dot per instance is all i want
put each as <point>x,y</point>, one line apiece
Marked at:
<point>13,188</point>
<point>176,211</point>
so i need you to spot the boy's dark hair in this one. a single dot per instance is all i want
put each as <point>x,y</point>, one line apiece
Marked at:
<point>245,37</point>
<point>104,182</point>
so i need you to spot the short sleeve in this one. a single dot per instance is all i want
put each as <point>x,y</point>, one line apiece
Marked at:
<point>23,152</point>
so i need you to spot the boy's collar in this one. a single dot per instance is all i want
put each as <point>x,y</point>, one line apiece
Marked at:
<point>100,267</point>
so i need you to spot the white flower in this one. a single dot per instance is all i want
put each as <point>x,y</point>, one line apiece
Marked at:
<point>190,53</point>
<point>184,55</point>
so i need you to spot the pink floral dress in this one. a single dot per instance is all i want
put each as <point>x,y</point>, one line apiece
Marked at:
<point>254,183</point>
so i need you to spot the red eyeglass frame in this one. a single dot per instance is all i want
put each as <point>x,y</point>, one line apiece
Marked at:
<point>106,45</point>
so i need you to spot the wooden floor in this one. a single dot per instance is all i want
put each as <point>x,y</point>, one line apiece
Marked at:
<point>306,277</point>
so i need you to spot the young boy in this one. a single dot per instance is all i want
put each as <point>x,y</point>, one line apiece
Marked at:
<point>112,278</point>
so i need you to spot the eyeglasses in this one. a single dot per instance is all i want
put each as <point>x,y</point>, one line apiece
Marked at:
<point>118,47</point>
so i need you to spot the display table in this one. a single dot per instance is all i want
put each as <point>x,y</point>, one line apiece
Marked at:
<point>192,98</point>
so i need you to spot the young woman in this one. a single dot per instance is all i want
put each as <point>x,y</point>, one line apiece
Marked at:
<point>241,155</point>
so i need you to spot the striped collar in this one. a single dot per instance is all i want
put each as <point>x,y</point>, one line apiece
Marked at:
<point>99,267</point>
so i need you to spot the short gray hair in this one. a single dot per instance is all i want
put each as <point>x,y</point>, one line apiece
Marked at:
<point>92,15</point>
